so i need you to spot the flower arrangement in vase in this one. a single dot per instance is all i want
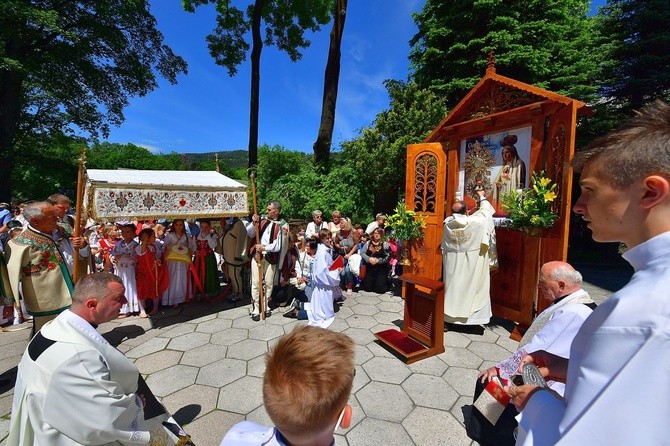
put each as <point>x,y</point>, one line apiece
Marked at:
<point>407,226</point>
<point>530,210</point>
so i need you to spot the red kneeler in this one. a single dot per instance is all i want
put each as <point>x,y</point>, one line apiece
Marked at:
<point>422,334</point>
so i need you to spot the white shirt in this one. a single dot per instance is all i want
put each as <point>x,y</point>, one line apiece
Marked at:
<point>617,390</point>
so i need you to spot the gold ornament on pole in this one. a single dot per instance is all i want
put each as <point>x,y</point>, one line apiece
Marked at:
<point>81,182</point>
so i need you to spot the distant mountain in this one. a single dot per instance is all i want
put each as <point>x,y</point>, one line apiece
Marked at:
<point>233,159</point>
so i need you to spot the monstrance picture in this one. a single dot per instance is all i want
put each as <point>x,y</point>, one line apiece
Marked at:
<point>495,162</point>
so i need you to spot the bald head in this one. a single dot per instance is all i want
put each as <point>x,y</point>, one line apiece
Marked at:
<point>558,279</point>
<point>459,207</point>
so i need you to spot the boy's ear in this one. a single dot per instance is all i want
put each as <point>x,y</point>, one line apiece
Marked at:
<point>657,189</point>
<point>346,419</point>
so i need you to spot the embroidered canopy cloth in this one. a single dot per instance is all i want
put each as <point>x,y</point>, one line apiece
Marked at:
<point>145,194</point>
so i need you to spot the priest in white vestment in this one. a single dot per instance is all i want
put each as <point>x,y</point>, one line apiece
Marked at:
<point>74,388</point>
<point>467,242</point>
<point>552,330</point>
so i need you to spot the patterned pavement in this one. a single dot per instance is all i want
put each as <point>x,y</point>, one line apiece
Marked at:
<point>205,362</point>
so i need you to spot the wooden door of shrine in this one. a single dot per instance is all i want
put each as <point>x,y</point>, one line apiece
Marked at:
<point>424,192</point>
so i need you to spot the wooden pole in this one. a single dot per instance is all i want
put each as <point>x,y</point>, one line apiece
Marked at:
<point>77,216</point>
<point>259,260</point>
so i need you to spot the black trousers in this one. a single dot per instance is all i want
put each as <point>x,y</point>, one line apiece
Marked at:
<point>376,277</point>
<point>486,434</point>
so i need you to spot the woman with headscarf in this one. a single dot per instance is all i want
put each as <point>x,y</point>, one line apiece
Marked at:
<point>512,174</point>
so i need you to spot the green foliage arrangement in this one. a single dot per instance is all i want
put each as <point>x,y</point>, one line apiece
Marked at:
<point>406,224</point>
<point>532,207</point>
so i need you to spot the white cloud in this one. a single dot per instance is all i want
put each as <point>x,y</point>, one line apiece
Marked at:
<point>150,148</point>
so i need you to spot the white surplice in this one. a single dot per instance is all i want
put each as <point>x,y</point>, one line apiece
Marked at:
<point>320,311</point>
<point>79,390</point>
<point>555,336</point>
<point>617,389</point>
<point>466,244</point>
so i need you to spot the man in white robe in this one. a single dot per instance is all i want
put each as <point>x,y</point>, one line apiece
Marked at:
<point>552,330</point>
<point>467,241</point>
<point>617,389</point>
<point>72,387</point>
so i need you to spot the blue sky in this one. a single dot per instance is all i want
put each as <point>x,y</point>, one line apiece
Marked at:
<point>208,111</point>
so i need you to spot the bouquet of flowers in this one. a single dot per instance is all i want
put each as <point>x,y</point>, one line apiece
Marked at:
<point>406,224</point>
<point>532,207</point>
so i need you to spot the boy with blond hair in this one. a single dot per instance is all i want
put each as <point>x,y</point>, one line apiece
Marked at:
<point>308,378</point>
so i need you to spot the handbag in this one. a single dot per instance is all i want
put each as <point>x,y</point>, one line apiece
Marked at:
<point>355,264</point>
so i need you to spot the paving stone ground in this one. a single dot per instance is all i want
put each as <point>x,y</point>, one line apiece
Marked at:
<point>205,361</point>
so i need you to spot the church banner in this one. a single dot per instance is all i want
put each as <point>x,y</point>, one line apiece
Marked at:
<point>143,194</point>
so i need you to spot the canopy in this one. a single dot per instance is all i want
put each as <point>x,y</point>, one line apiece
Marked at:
<point>145,194</point>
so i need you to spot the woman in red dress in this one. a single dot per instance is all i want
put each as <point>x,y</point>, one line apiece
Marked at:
<point>151,280</point>
<point>109,237</point>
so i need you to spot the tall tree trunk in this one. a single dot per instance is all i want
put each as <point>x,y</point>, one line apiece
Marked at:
<point>330,83</point>
<point>255,81</point>
<point>10,108</point>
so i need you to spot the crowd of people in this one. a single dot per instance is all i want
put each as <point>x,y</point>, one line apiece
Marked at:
<point>171,263</point>
<point>603,365</point>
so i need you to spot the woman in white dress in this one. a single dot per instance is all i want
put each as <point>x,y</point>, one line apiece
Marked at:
<point>512,174</point>
<point>178,248</point>
<point>124,259</point>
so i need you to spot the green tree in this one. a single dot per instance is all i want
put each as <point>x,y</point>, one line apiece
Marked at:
<point>64,63</point>
<point>285,24</point>
<point>636,40</point>
<point>379,154</point>
<point>51,167</point>
<point>108,155</point>
<point>301,186</point>
<point>550,44</point>
<point>330,85</point>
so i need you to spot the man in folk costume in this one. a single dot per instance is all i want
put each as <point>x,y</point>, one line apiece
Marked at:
<point>552,330</point>
<point>468,245</point>
<point>616,382</point>
<point>35,263</point>
<point>73,387</point>
<point>233,245</point>
<point>63,235</point>
<point>273,241</point>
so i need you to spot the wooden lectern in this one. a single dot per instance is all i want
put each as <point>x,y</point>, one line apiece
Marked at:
<point>422,334</point>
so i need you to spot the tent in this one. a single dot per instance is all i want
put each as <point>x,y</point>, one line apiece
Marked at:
<point>146,194</point>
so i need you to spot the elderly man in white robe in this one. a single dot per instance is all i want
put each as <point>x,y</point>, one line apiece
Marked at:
<point>467,244</point>
<point>74,388</point>
<point>617,390</point>
<point>552,330</point>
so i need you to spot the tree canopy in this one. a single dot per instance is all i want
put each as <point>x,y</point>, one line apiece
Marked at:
<point>73,63</point>
<point>636,40</point>
<point>379,154</point>
<point>545,43</point>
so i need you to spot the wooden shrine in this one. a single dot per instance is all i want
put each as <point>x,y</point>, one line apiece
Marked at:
<point>466,149</point>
